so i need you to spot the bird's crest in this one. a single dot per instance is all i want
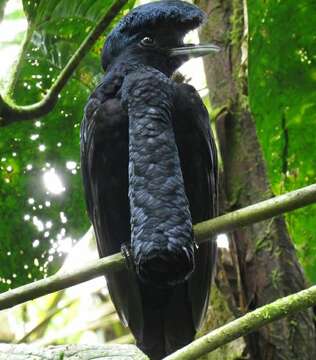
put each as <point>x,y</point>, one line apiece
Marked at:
<point>174,12</point>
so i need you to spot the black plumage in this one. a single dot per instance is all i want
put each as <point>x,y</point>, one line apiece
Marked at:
<point>149,169</point>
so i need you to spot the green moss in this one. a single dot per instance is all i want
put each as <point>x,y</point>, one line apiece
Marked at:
<point>262,244</point>
<point>218,111</point>
<point>265,242</point>
<point>276,278</point>
<point>218,315</point>
<point>237,23</point>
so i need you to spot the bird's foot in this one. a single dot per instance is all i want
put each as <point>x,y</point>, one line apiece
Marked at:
<point>126,252</point>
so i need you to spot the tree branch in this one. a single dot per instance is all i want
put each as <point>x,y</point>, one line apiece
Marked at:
<point>87,352</point>
<point>263,210</point>
<point>61,280</point>
<point>10,112</point>
<point>202,231</point>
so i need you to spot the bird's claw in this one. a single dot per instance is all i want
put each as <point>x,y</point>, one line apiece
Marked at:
<point>127,254</point>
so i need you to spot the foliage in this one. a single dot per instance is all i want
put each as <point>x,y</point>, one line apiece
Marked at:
<point>282,79</point>
<point>77,315</point>
<point>37,224</point>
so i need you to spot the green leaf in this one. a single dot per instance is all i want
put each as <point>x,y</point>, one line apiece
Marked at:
<point>38,226</point>
<point>282,82</point>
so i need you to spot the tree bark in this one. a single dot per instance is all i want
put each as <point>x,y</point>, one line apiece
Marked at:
<point>265,263</point>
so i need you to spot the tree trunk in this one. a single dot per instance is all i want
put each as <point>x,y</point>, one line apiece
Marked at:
<point>265,263</point>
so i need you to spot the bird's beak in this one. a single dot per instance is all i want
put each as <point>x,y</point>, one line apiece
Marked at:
<point>193,51</point>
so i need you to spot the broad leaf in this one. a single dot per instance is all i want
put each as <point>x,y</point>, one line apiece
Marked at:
<point>282,83</point>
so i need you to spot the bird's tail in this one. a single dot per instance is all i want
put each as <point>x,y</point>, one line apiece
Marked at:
<point>167,328</point>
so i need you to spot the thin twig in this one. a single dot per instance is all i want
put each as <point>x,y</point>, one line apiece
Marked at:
<point>45,321</point>
<point>125,339</point>
<point>63,334</point>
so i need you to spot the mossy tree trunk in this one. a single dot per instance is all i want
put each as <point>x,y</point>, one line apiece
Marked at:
<point>265,266</point>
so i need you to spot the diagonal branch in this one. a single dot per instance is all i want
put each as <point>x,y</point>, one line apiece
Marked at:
<point>262,210</point>
<point>246,324</point>
<point>202,231</point>
<point>10,112</point>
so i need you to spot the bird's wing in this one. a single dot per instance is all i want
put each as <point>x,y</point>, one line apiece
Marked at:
<point>198,156</point>
<point>104,164</point>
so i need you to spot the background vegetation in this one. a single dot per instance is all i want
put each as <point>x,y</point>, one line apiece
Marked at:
<point>42,210</point>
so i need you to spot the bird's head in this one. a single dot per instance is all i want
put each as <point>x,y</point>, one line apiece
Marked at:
<point>152,35</point>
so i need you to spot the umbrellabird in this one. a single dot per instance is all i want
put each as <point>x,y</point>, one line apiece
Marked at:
<point>149,170</point>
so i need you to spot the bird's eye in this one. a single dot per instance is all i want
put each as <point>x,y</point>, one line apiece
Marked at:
<point>147,41</point>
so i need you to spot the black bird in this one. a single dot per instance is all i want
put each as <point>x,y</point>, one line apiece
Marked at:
<point>149,169</point>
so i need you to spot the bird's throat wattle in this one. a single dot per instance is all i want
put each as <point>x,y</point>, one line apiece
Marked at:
<point>161,225</point>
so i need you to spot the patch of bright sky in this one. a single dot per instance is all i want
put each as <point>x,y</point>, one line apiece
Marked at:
<point>53,182</point>
<point>9,29</point>
<point>222,241</point>
<point>80,255</point>
<point>194,68</point>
